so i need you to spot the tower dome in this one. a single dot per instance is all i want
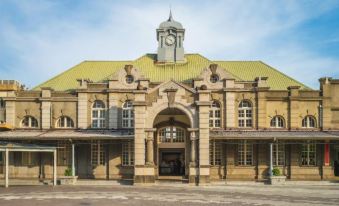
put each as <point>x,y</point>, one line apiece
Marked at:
<point>170,23</point>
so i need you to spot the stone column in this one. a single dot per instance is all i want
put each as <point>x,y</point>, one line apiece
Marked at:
<point>193,167</point>
<point>150,148</point>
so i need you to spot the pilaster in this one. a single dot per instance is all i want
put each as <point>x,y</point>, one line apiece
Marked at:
<point>112,111</point>
<point>82,110</point>
<point>143,173</point>
<point>204,162</point>
<point>46,95</point>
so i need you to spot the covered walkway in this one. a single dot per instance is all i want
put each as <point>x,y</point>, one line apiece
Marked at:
<point>8,147</point>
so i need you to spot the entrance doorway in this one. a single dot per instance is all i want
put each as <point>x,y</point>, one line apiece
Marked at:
<point>336,163</point>
<point>171,162</point>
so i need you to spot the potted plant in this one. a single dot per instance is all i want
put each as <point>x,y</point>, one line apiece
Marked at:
<point>68,179</point>
<point>276,178</point>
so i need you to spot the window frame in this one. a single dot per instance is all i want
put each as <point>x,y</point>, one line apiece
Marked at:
<point>278,154</point>
<point>127,153</point>
<point>215,115</point>
<point>29,156</point>
<point>307,120</point>
<point>64,153</point>
<point>127,115</point>
<point>245,114</point>
<point>216,151</point>
<point>244,148</point>
<point>172,134</point>
<point>101,115</point>
<point>98,153</point>
<point>309,147</point>
<point>276,120</point>
<point>66,120</point>
<point>30,119</point>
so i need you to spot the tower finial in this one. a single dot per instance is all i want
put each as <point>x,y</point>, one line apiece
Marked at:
<point>170,18</point>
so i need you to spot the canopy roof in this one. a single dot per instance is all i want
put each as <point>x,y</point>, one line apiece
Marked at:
<point>282,135</point>
<point>24,147</point>
<point>100,71</point>
<point>65,134</point>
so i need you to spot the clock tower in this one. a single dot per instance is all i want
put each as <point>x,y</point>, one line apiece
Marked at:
<point>170,36</point>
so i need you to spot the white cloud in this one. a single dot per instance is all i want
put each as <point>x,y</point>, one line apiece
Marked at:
<point>240,30</point>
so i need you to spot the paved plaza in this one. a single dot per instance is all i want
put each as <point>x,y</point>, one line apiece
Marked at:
<point>171,195</point>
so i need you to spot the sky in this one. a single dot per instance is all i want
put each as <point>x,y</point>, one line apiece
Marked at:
<point>42,38</point>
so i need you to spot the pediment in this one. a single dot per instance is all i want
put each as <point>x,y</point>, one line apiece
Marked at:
<point>172,85</point>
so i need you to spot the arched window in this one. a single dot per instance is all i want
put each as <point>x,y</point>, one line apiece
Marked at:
<point>277,122</point>
<point>215,115</point>
<point>127,115</point>
<point>245,114</point>
<point>29,122</point>
<point>65,122</point>
<point>98,114</point>
<point>172,134</point>
<point>309,122</point>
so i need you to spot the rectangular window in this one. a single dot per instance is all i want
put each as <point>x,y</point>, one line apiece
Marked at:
<point>215,153</point>
<point>97,153</point>
<point>64,153</point>
<point>128,153</point>
<point>28,158</point>
<point>278,154</point>
<point>308,154</point>
<point>245,153</point>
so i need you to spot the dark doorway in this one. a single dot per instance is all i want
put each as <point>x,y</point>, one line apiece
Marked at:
<point>172,163</point>
<point>336,164</point>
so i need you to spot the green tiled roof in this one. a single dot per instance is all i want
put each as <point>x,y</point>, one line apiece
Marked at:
<point>98,71</point>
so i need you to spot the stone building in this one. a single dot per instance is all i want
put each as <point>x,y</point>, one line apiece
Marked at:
<point>173,114</point>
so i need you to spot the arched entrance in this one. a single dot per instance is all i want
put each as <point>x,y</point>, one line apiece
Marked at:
<point>172,145</point>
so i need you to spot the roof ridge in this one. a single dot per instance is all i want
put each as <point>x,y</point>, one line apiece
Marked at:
<point>306,87</point>
<point>107,61</point>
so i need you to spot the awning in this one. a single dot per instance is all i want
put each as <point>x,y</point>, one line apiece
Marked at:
<point>65,135</point>
<point>268,135</point>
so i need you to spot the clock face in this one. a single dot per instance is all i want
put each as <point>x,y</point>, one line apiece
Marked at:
<point>170,40</point>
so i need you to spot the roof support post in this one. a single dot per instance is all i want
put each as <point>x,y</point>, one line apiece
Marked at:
<point>55,168</point>
<point>6,167</point>
<point>73,160</point>
<point>271,160</point>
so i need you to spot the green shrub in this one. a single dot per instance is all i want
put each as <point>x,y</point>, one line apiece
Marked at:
<point>68,172</point>
<point>276,172</point>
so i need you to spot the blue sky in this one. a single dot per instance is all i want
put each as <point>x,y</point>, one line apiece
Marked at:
<point>40,39</point>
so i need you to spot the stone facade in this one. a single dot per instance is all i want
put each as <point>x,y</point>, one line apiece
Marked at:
<point>211,128</point>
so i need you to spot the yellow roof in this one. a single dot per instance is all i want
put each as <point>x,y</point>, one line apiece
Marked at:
<point>98,71</point>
